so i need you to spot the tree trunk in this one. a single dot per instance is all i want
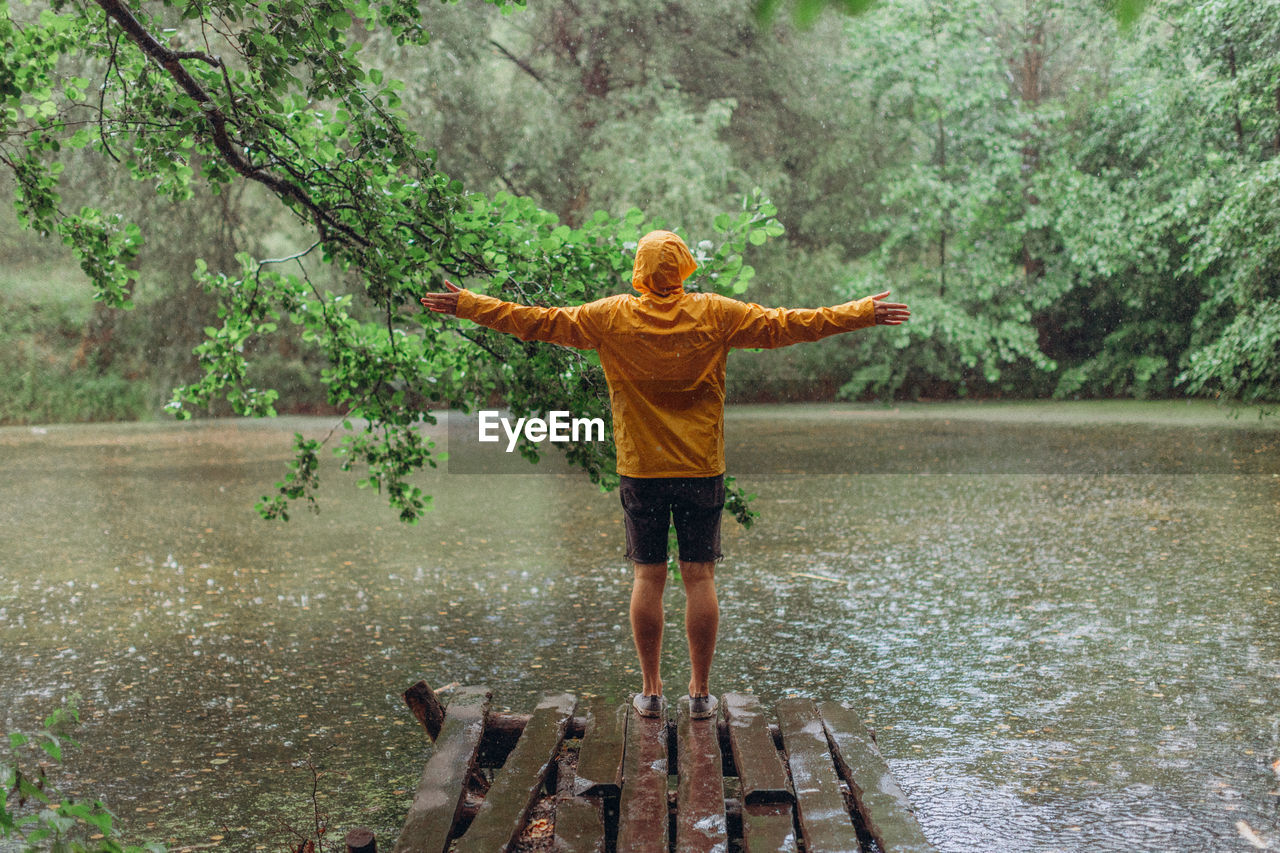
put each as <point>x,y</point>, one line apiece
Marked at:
<point>1031,85</point>
<point>1238,123</point>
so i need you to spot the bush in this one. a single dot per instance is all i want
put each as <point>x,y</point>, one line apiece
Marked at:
<point>34,814</point>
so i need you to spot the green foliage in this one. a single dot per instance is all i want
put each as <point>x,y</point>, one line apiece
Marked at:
<point>300,483</point>
<point>49,369</point>
<point>280,95</point>
<point>1119,244</point>
<point>1070,206</point>
<point>738,503</point>
<point>33,814</point>
<point>963,233</point>
<point>806,12</point>
<point>1165,212</point>
<point>1243,362</point>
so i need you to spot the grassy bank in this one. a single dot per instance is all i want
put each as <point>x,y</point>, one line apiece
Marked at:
<point>51,369</point>
<point>66,359</point>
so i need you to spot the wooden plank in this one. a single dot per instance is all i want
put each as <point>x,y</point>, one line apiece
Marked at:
<point>506,807</point>
<point>885,810</point>
<point>768,828</point>
<point>436,805</point>
<point>763,777</point>
<point>600,758</point>
<point>422,701</point>
<point>700,816</point>
<point>642,818</point>
<point>824,822</point>
<point>579,825</point>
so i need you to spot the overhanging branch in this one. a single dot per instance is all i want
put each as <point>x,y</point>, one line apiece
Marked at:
<point>171,62</point>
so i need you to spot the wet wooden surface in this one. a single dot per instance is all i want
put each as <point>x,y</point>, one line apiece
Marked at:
<point>505,808</point>
<point>579,826</point>
<point>599,770</point>
<point>768,828</point>
<point>642,811</point>
<point>436,805</point>
<point>700,816</point>
<point>885,810</point>
<point>825,824</point>
<point>426,706</point>
<point>580,820</point>
<point>734,788</point>
<point>760,769</point>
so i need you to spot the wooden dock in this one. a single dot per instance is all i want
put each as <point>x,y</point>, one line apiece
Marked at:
<point>592,776</point>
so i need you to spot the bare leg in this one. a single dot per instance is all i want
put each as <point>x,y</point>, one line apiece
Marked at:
<point>646,622</point>
<point>701,622</point>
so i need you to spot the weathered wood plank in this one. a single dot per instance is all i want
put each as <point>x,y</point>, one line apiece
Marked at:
<point>824,822</point>
<point>579,826</point>
<point>439,798</point>
<point>506,807</point>
<point>700,816</point>
<point>600,758</point>
<point>763,777</point>
<point>885,810</point>
<point>768,828</point>
<point>422,701</point>
<point>642,818</point>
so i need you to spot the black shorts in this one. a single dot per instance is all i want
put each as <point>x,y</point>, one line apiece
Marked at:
<point>695,504</point>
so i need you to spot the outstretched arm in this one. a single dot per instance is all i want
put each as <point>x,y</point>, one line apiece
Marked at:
<point>752,326</point>
<point>564,326</point>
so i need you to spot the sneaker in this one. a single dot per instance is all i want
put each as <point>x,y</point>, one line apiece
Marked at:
<point>648,705</point>
<point>702,707</point>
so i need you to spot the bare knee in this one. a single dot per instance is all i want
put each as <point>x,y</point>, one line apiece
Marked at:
<point>651,574</point>
<point>697,574</point>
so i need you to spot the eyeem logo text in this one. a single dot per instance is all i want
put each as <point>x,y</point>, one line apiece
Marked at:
<point>557,426</point>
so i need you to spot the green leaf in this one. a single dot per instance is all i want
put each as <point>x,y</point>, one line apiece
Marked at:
<point>52,747</point>
<point>1127,12</point>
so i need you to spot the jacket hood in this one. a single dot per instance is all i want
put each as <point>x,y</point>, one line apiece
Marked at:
<point>663,262</point>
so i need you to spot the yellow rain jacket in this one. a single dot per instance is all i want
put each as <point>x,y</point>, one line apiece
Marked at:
<point>664,352</point>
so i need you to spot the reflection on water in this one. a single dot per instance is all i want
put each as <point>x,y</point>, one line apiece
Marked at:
<point>1056,657</point>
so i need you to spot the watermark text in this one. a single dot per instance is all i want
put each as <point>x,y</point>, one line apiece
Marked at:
<point>557,426</point>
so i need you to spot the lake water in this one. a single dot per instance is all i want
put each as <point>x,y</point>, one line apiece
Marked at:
<point>1061,621</point>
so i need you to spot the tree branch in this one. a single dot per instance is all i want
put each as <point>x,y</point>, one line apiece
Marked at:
<point>525,67</point>
<point>102,101</point>
<point>171,61</point>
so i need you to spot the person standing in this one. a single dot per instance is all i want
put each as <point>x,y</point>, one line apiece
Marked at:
<point>664,353</point>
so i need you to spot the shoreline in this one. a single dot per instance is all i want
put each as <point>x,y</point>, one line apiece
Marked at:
<point>1173,413</point>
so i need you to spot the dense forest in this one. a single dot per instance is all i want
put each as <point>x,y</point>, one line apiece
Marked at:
<point>1073,206</point>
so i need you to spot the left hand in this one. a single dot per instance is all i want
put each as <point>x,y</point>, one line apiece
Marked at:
<point>890,313</point>
<point>443,303</point>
